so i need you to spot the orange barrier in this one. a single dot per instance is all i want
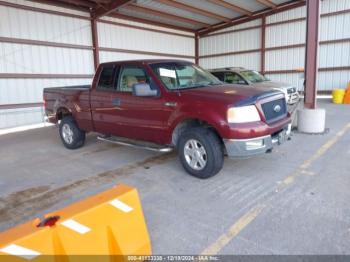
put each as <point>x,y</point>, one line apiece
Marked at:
<point>347,95</point>
<point>110,223</point>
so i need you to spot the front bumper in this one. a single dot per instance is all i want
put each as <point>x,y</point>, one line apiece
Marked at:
<point>243,148</point>
<point>293,98</point>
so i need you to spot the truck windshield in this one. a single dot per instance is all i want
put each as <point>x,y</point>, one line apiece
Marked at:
<point>177,76</point>
<point>253,76</point>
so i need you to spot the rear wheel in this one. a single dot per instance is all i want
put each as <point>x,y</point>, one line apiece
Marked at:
<point>201,152</point>
<point>71,135</point>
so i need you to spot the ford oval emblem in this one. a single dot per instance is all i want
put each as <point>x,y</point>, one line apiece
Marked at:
<point>277,108</point>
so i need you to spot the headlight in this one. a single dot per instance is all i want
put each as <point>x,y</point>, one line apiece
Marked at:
<point>244,114</point>
<point>283,90</point>
<point>291,90</point>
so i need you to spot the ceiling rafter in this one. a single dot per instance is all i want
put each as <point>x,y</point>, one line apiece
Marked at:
<point>112,6</point>
<point>193,9</point>
<point>258,14</point>
<point>62,4</point>
<point>149,22</point>
<point>79,3</point>
<point>232,7</point>
<point>99,8</point>
<point>267,3</point>
<point>165,15</point>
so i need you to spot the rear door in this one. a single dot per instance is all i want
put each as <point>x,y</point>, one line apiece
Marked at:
<point>102,101</point>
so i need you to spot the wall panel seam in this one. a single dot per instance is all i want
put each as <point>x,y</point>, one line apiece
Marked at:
<point>321,69</point>
<point>143,28</point>
<point>231,53</point>
<point>42,76</point>
<point>22,105</point>
<point>42,43</point>
<point>119,50</point>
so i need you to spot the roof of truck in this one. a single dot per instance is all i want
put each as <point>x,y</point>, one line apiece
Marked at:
<point>228,69</point>
<point>147,61</point>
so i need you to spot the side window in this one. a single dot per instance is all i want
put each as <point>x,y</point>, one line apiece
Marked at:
<point>107,78</point>
<point>185,75</point>
<point>168,76</point>
<point>132,75</point>
<point>219,76</point>
<point>234,78</point>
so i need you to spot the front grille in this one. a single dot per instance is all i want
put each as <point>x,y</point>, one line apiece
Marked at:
<point>291,90</point>
<point>275,109</point>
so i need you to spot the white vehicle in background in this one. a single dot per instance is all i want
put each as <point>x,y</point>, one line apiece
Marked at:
<point>242,76</point>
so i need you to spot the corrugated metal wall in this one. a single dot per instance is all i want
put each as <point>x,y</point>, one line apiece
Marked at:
<point>128,39</point>
<point>285,37</point>
<point>39,60</point>
<point>39,49</point>
<point>33,65</point>
<point>235,42</point>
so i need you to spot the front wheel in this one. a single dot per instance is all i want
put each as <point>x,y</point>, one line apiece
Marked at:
<point>201,152</point>
<point>71,135</point>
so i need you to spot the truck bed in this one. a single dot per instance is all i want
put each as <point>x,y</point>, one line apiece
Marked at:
<point>73,98</point>
<point>74,88</point>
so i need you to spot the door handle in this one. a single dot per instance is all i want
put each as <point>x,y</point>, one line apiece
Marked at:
<point>170,104</point>
<point>116,101</point>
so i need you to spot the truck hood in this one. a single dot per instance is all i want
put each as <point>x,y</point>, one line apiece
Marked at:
<point>272,84</point>
<point>229,94</point>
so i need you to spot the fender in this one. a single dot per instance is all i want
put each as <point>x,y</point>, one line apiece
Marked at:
<point>214,118</point>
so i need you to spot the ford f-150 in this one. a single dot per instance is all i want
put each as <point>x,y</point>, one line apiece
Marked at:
<point>169,104</point>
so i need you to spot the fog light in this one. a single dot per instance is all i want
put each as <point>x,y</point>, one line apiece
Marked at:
<point>255,144</point>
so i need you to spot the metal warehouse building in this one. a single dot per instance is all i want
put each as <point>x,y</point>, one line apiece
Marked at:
<point>51,43</point>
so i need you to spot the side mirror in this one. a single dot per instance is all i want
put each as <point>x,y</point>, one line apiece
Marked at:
<point>143,89</point>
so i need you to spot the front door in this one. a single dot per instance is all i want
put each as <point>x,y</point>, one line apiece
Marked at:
<point>118,112</point>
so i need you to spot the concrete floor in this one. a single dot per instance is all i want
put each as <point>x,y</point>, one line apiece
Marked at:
<point>293,201</point>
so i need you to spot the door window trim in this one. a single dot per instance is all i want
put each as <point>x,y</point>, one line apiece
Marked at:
<point>116,70</point>
<point>121,68</point>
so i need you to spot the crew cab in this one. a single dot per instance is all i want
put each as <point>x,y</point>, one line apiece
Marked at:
<point>169,104</point>
<point>251,78</point>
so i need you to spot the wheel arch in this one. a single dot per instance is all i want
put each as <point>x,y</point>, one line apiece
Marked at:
<point>62,111</point>
<point>182,124</point>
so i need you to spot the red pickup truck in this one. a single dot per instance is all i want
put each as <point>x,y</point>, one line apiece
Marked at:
<point>169,104</point>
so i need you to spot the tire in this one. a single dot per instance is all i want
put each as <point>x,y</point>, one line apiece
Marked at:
<point>71,135</point>
<point>213,154</point>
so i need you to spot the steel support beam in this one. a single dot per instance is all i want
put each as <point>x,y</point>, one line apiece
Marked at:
<point>112,6</point>
<point>196,49</point>
<point>263,44</point>
<point>95,47</point>
<point>311,52</point>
